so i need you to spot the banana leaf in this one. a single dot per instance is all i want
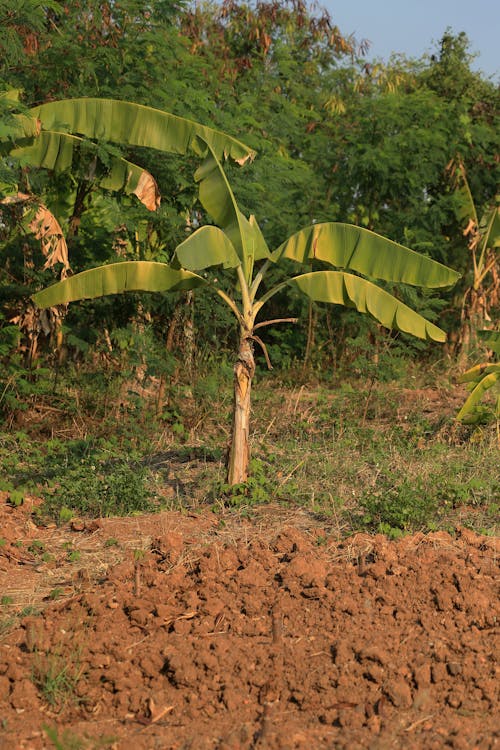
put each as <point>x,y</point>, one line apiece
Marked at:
<point>208,246</point>
<point>55,151</point>
<point>345,289</point>
<point>484,384</point>
<point>136,125</point>
<point>143,276</point>
<point>352,248</point>
<point>217,197</point>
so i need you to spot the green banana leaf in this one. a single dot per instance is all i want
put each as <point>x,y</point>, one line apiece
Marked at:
<point>478,372</point>
<point>136,125</point>
<point>484,384</point>
<point>352,248</point>
<point>208,246</point>
<point>143,276</point>
<point>217,197</point>
<point>18,127</point>
<point>353,291</point>
<point>489,226</point>
<point>55,151</point>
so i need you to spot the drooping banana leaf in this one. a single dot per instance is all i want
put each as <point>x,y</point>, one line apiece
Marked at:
<point>478,372</point>
<point>56,151</point>
<point>136,125</point>
<point>348,247</point>
<point>143,276</point>
<point>341,288</point>
<point>484,384</point>
<point>18,127</point>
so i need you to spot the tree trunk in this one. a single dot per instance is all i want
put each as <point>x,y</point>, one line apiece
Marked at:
<point>239,452</point>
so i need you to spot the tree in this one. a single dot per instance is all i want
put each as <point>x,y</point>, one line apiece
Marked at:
<point>238,245</point>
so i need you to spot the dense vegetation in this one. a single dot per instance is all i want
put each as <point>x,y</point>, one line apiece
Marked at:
<point>408,149</point>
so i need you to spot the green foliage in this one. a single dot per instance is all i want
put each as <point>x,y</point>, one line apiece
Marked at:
<point>56,678</point>
<point>479,380</point>
<point>67,740</point>
<point>411,505</point>
<point>259,487</point>
<point>99,491</point>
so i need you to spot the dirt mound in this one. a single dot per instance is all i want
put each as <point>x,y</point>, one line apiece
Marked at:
<point>235,639</point>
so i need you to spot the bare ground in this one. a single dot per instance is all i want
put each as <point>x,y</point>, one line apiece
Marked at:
<point>184,631</point>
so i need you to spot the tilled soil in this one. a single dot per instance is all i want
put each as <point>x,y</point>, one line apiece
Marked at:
<point>254,635</point>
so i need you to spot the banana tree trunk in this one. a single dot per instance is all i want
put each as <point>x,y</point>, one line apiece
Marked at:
<point>239,453</point>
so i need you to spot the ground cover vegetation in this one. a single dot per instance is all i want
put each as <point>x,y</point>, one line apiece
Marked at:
<point>406,149</point>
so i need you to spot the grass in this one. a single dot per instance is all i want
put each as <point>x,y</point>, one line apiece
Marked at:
<point>382,457</point>
<point>68,740</point>
<point>56,678</point>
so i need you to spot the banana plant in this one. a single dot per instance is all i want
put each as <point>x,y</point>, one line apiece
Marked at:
<point>480,379</point>
<point>354,257</point>
<point>482,231</point>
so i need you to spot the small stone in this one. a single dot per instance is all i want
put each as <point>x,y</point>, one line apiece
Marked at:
<point>454,700</point>
<point>454,668</point>
<point>439,672</point>
<point>422,700</point>
<point>399,693</point>
<point>422,675</point>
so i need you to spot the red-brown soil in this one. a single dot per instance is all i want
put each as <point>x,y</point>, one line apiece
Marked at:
<point>178,631</point>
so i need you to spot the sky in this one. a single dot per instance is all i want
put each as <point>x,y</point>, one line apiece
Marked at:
<point>414,27</point>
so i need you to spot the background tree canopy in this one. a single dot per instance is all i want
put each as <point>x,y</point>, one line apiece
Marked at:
<point>337,140</point>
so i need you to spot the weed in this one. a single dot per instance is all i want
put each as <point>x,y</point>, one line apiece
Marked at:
<point>65,514</point>
<point>6,625</point>
<point>36,548</point>
<point>111,542</point>
<point>99,491</point>
<point>56,677</point>
<point>69,741</point>
<point>56,594</point>
<point>258,488</point>
<point>6,600</point>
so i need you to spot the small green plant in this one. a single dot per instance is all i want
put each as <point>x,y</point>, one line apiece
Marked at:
<point>256,490</point>
<point>405,506</point>
<point>111,542</point>
<point>6,600</point>
<point>69,741</point>
<point>65,514</point>
<point>480,379</point>
<point>99,491</point>
<point>56,677</point>
<point>66,741</point>
<point>36,548</point>
<point>16,498</point>
<point>56,594</point>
